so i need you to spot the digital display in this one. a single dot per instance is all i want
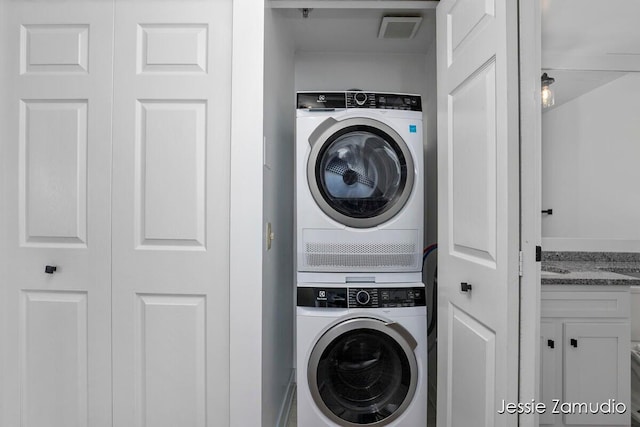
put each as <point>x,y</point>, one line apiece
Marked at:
<point>398,295</point>
<point>401,102</point>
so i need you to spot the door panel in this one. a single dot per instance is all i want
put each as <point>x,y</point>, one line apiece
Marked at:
<point>171,213</point>
<point>54,47</point>
<point>54,371</point>
<point>472,175</point>
<point>474,375</point>
<point>170,187</point>
<point>478,228</point>
<point>53,173</point>
<point>56,172</point>
<point>171,334</point>
<point>179,48</point>
<point>465,15</point>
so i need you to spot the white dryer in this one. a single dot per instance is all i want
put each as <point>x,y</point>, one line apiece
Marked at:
<point>359,184</point>
<point>361,356</point>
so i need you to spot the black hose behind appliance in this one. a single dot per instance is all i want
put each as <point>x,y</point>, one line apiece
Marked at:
<point>433,321</point>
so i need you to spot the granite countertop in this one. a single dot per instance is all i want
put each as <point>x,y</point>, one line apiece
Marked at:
<point>591,268</point>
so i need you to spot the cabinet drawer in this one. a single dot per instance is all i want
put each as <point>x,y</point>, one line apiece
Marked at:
<point>592,304</point>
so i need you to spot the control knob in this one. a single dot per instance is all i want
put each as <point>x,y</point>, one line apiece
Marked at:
<point>363,297</point>
<point>360,98</point>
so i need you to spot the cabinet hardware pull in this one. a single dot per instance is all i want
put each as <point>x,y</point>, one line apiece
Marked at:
<point>548,211</point>
<point>465,287</point>
<point>551,343</point>
<point>50,269</point>
<point>574,343</point>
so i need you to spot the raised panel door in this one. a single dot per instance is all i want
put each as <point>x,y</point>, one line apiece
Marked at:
<point>55,132</point>
<point>478,212</point>
<point>171,160</point>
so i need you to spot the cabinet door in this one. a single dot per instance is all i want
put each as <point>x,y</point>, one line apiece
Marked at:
<point>596,370</point>
<point>55,167</point>
<point>550,366</point>
<point>171,148</point>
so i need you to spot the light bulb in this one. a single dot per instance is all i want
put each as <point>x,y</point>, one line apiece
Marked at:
<point>546,92</point>
<point>547,97</point>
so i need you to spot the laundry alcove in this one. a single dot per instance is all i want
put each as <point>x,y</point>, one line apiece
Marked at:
<point>332,48</point>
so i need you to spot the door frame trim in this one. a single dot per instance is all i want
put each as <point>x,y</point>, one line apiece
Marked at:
<point>246,207</point>
<point>530,53</point>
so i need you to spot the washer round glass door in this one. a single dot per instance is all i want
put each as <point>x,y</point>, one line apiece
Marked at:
<point>360,171</point>
<point>363,371</point>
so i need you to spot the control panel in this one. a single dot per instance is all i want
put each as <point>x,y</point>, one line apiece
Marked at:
<point>358,99</point>
<point>384,101</point>
<point>361,297</point>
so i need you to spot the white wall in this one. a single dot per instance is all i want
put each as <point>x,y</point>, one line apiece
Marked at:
<point>384,72</point>
<point>277,274</point>
<point>591,170</point>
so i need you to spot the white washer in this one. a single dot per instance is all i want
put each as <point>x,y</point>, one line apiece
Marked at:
<point>361,356</point>
<point>359,184</point>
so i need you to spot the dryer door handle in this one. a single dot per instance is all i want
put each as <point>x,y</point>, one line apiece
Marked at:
<point>411,341</point>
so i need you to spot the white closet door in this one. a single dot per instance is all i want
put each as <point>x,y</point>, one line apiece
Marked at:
<point>55,142</point>
<point>171,213</point>
<point>478,212</point>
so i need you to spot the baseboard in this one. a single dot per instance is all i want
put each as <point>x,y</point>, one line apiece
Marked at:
<point>561,244</point>
<point>285,408</point>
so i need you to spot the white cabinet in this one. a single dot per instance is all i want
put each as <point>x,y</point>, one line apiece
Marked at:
<point>550,365</point>
<point>585,344</point>
<point>596,368</point>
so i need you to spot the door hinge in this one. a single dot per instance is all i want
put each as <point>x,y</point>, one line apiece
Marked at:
<point>520,263</point>
<point>538,253</point>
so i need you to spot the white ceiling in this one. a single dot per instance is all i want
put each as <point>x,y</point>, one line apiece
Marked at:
<point>355,30</point>
<point>588,43</point>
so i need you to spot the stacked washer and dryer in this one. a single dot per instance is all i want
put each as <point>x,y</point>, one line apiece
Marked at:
<point>361,322</point>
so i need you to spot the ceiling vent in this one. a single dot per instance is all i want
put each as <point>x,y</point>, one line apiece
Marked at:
<point>399,27</point>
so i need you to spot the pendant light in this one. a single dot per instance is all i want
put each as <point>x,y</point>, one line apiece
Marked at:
<point>546,92</point>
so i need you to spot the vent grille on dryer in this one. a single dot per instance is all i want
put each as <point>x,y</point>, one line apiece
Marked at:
<point>365,255</point>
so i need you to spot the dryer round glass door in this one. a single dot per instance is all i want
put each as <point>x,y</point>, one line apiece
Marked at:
<point>360,171</point>
<point>363,372</point>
